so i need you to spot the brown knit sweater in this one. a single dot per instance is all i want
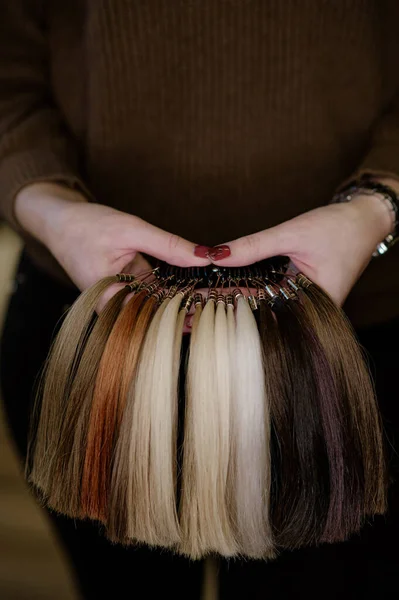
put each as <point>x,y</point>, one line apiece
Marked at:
<point>209,118</point>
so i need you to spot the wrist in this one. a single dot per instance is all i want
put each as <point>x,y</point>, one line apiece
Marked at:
<point>382,208</point>
<point>375,210</point>
<point>41,209</point>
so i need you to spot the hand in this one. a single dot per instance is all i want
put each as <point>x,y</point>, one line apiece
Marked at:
<point>332,245</point>
<point>92,241</point>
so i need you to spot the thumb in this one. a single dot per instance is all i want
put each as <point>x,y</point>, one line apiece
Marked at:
<point>169,247</point>
<point>253,248</point>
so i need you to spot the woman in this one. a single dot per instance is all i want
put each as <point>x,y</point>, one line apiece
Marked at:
<point>130,127</point>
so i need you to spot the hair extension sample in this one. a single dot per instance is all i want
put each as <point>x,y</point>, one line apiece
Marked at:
<point>251,435</point>
<point>231,352</point>
<point>153,385</point>
<point>224,374</point>
<point>69,456</point>
<point>198,303</point>
<point>56,380</point>
<point>353,505</point>
<point>281,442</point>
<point>128,515</point>
<point>107,405</point>
<point>286,484</point>
<point>300,512</point>
<point>340,518</point>
<point>203,509</point>
<point>181,317</point>
<point>163,406</point>
<point>350,370</point>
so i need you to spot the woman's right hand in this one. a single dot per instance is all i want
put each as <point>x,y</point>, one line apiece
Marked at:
<point>92,241</point>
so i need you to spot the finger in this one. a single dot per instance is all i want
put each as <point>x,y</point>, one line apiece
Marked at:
<point>138,266</point>
<point>253,248</point>
<point>169,247</point>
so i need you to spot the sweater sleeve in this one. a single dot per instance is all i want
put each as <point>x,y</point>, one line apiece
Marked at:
<point>382,157</point>
<point>34,142</point>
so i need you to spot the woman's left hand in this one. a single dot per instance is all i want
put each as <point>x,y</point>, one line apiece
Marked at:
<point>332,245</point>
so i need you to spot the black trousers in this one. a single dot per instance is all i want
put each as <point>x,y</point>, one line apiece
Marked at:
<point>367,565</point>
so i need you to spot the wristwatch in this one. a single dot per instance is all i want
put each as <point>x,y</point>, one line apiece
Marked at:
<point>370,187</point>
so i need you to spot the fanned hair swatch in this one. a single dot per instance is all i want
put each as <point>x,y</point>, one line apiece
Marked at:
<point>69,454</point>
<point>56,379</point>
<point>356,391</point>
<point>281,442</point>
<point>206,525</point>
<point>250,437</point>
<point>108,404</point>
<point>128,514</point>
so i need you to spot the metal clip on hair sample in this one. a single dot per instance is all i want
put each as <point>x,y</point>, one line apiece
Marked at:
<point>221,299</point>
<point>187,289</point>
<point>186,304</point>
<point>270,291</point>
<point>198,299</point>
<point>286,294</point>
<point>125,278</point>
<point>230,300</point>
<point>159,295</point>
<point>261,295</point>
<point>292,284</point>
<point>134,286</point>
<point>152,287</point>
<point>172,291</point>
<point>303,281</point>
<point>252,301</point>
<point>275,300</point>
<point>212,295</point>
<point>237,294</point>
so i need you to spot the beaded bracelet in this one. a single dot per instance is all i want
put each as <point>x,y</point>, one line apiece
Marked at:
<point>369,187</point>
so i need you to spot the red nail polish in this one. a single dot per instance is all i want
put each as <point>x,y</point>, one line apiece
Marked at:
<point>219,252</point>
<point>202,251</point>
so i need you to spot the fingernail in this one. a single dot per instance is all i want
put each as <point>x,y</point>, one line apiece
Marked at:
<point>219,252</point>
<point>202,251</point>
